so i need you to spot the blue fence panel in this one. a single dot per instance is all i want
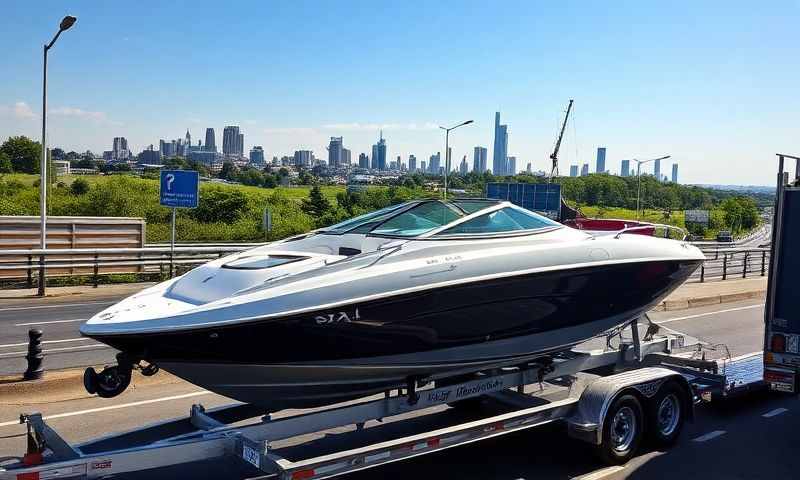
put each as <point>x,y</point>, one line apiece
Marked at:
<point>539,197</point>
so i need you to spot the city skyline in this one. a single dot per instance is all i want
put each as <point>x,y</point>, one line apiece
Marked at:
<point>710,85</point>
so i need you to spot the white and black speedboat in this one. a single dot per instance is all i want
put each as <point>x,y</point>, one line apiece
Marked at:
<point>426,289</point>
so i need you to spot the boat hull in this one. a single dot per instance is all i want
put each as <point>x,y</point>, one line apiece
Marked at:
<point>354,350</point>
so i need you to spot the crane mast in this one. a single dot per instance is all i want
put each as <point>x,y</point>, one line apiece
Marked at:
<point>554,155</point>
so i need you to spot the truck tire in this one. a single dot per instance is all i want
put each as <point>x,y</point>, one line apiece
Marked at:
<point>666,414</point>
<point>623,430</point>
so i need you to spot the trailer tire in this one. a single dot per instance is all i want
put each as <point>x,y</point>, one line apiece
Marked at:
<point>666,414</point>
<point>112,381</point>
<point>623,430</point>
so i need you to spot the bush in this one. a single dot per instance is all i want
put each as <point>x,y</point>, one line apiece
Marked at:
<point>220,205</point>
<point>79,186</point>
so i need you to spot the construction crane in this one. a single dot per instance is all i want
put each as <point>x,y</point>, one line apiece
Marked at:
<point>554,155</point>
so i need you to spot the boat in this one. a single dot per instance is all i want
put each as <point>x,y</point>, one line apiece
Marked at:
<point>424,290</point>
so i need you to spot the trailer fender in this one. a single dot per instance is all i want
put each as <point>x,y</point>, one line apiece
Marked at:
<point>587,422</point>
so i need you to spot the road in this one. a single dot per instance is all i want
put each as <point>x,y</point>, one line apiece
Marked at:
<point>719,444</point>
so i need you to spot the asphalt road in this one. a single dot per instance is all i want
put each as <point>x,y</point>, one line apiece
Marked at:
<point>727,439</point>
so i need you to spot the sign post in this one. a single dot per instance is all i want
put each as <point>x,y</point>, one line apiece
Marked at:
<point>267,223</point>
<point>179,189</point>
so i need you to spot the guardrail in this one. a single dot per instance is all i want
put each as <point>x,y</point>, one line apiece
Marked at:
<point>727,263</point>
<point>27,264</point>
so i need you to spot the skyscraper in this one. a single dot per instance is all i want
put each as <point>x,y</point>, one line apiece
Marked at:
<point>230,141</point>
<point>585,170</point>
<point>423,166</point>
<point>499,160</point>
<point>257,155</point>
<point>529,168</point>
<point>479,159</point>
<point>119,149</point>
<point>674,173</point>
<point>434,163</point>
<point>345,156</point>
<point>211,143</point>
<point>412,163</point>
<point>363,160</point>
<point>335,152</point>
<point>188,139</point>
<point>511,166</point>
<point>601,160</point>
<point>302,158</point>
<point>657,170</point>
<point>240,145</point>
<point>379,154</point>
<point>463,168</point>
<point>573,170</point>
<point>625,168</point>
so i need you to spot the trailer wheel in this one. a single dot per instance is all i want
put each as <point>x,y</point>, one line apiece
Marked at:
<point>112,381</point>
<point>666,414</point>
<point>623,428</point>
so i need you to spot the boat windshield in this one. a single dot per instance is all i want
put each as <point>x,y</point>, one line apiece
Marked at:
<point>420,219</point>
<point>371,218</point>
<point>505,220</point>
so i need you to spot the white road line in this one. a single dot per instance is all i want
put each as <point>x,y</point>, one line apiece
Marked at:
<point>602,473</point>
<point>774,413</point>
<point>709,436</point>
<point>25,344</point>
<point>748,307</point>
<point>51,350</point>
<point>11,309</point>
<point>48,323</point>
<point>114,407</point>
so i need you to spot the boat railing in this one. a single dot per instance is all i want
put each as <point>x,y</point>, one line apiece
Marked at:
<point>652,226</point>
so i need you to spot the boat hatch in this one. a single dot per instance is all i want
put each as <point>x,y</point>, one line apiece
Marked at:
<point>259,262</point>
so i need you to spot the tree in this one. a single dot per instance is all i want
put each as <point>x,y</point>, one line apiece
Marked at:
<point>316,204</point>
<point>5,163</point>
<point>228,171</point>
<point>79,186</point>
<point>24,154</point>
<point>220,205</point>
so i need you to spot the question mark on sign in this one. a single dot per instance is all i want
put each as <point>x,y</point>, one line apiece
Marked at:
<point>170,179</point>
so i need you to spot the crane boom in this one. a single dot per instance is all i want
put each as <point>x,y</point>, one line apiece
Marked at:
<point>554,155</point>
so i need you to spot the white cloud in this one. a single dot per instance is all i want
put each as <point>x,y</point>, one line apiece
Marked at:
<point>19,110</point>
<point>370,127</point>
<point>77,112</point>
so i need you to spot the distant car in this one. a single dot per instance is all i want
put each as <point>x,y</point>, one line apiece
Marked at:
<point>724,236</point>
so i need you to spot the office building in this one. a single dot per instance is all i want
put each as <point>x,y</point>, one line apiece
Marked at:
<point>335,152</point>
<point>412,163</point>
<point>363,160</point>
<point>206,157</point>
<point>528,169</point>
<point>150,157</point>
<point>573,170</point>
<point>435,163</point>
<point>625,168</point>
<point>657,170</point>
<point>230,141</point>
<point>241,144</point>
<point>463,168</point>
<point>379,154</point>
<point>187,141</point>
<point>511,166</point>
<point>499,160</point>
<point>479,160</point>
<point>303,158</point>
<point>119,149</point>
<point>211,143</point>
<point>257,155</point>
<point>601,160</point>
<point>346,157</point>
<point>674,173</point>
<point>585,170</point>
<point>423,166</point>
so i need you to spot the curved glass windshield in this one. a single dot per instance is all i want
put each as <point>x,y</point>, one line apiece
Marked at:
<point>500,221</point>
<point>370,218</point>
<point>418,220</point>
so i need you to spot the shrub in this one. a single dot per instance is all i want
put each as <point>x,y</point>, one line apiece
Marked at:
<point>79,186</point>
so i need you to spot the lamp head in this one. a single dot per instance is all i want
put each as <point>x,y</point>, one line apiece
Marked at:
<point>67,22</point>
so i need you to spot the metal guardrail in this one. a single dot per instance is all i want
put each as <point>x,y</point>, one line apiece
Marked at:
<point>728,263</point>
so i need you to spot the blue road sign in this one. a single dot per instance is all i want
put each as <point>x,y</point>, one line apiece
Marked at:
<point>179,188</point>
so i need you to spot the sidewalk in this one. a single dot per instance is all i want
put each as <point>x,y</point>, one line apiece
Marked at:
<point>85,292</point>
<point>696,294</point>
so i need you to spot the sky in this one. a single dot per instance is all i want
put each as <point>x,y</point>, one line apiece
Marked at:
<point>713,84</point>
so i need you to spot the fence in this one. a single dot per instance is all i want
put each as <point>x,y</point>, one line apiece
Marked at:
<point>725,264</point>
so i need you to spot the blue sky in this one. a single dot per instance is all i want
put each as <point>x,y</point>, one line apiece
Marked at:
<point>714,84</point>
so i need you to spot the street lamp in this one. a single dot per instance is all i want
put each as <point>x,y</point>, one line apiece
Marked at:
<point>639,179</point>
<point>447,151</point>
<point>66,23</point>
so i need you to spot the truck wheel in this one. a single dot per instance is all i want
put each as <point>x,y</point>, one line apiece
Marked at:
<point>666,414</point>
<point>622,430</point>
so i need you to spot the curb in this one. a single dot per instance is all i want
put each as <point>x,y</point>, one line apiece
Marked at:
<point>683,304</point>
<point>62,385</point>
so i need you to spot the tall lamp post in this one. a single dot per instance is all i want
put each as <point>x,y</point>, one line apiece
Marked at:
<point>447,151</point>
<point>639,179</point>
<point>65,24</point>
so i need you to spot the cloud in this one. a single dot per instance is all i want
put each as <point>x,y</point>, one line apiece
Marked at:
<point>20,110</point>
<point>371,127</point>
<point>288,130</point>
<point>77,112</point>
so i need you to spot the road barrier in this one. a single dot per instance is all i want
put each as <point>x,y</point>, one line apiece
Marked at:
<point>729,263</point>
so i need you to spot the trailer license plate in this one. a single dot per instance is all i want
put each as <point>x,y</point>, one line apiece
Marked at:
<point>251,456</point>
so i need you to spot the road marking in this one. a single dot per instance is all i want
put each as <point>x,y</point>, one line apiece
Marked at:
<point>758,305</point>
<point>24,344</point>
<point>709,436</point>
<point>602,473</point>
<point>774,413</point>
<point>114,407</point>
<point>52,321</point>
<point>51,350</point>
<point>11,309</point>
